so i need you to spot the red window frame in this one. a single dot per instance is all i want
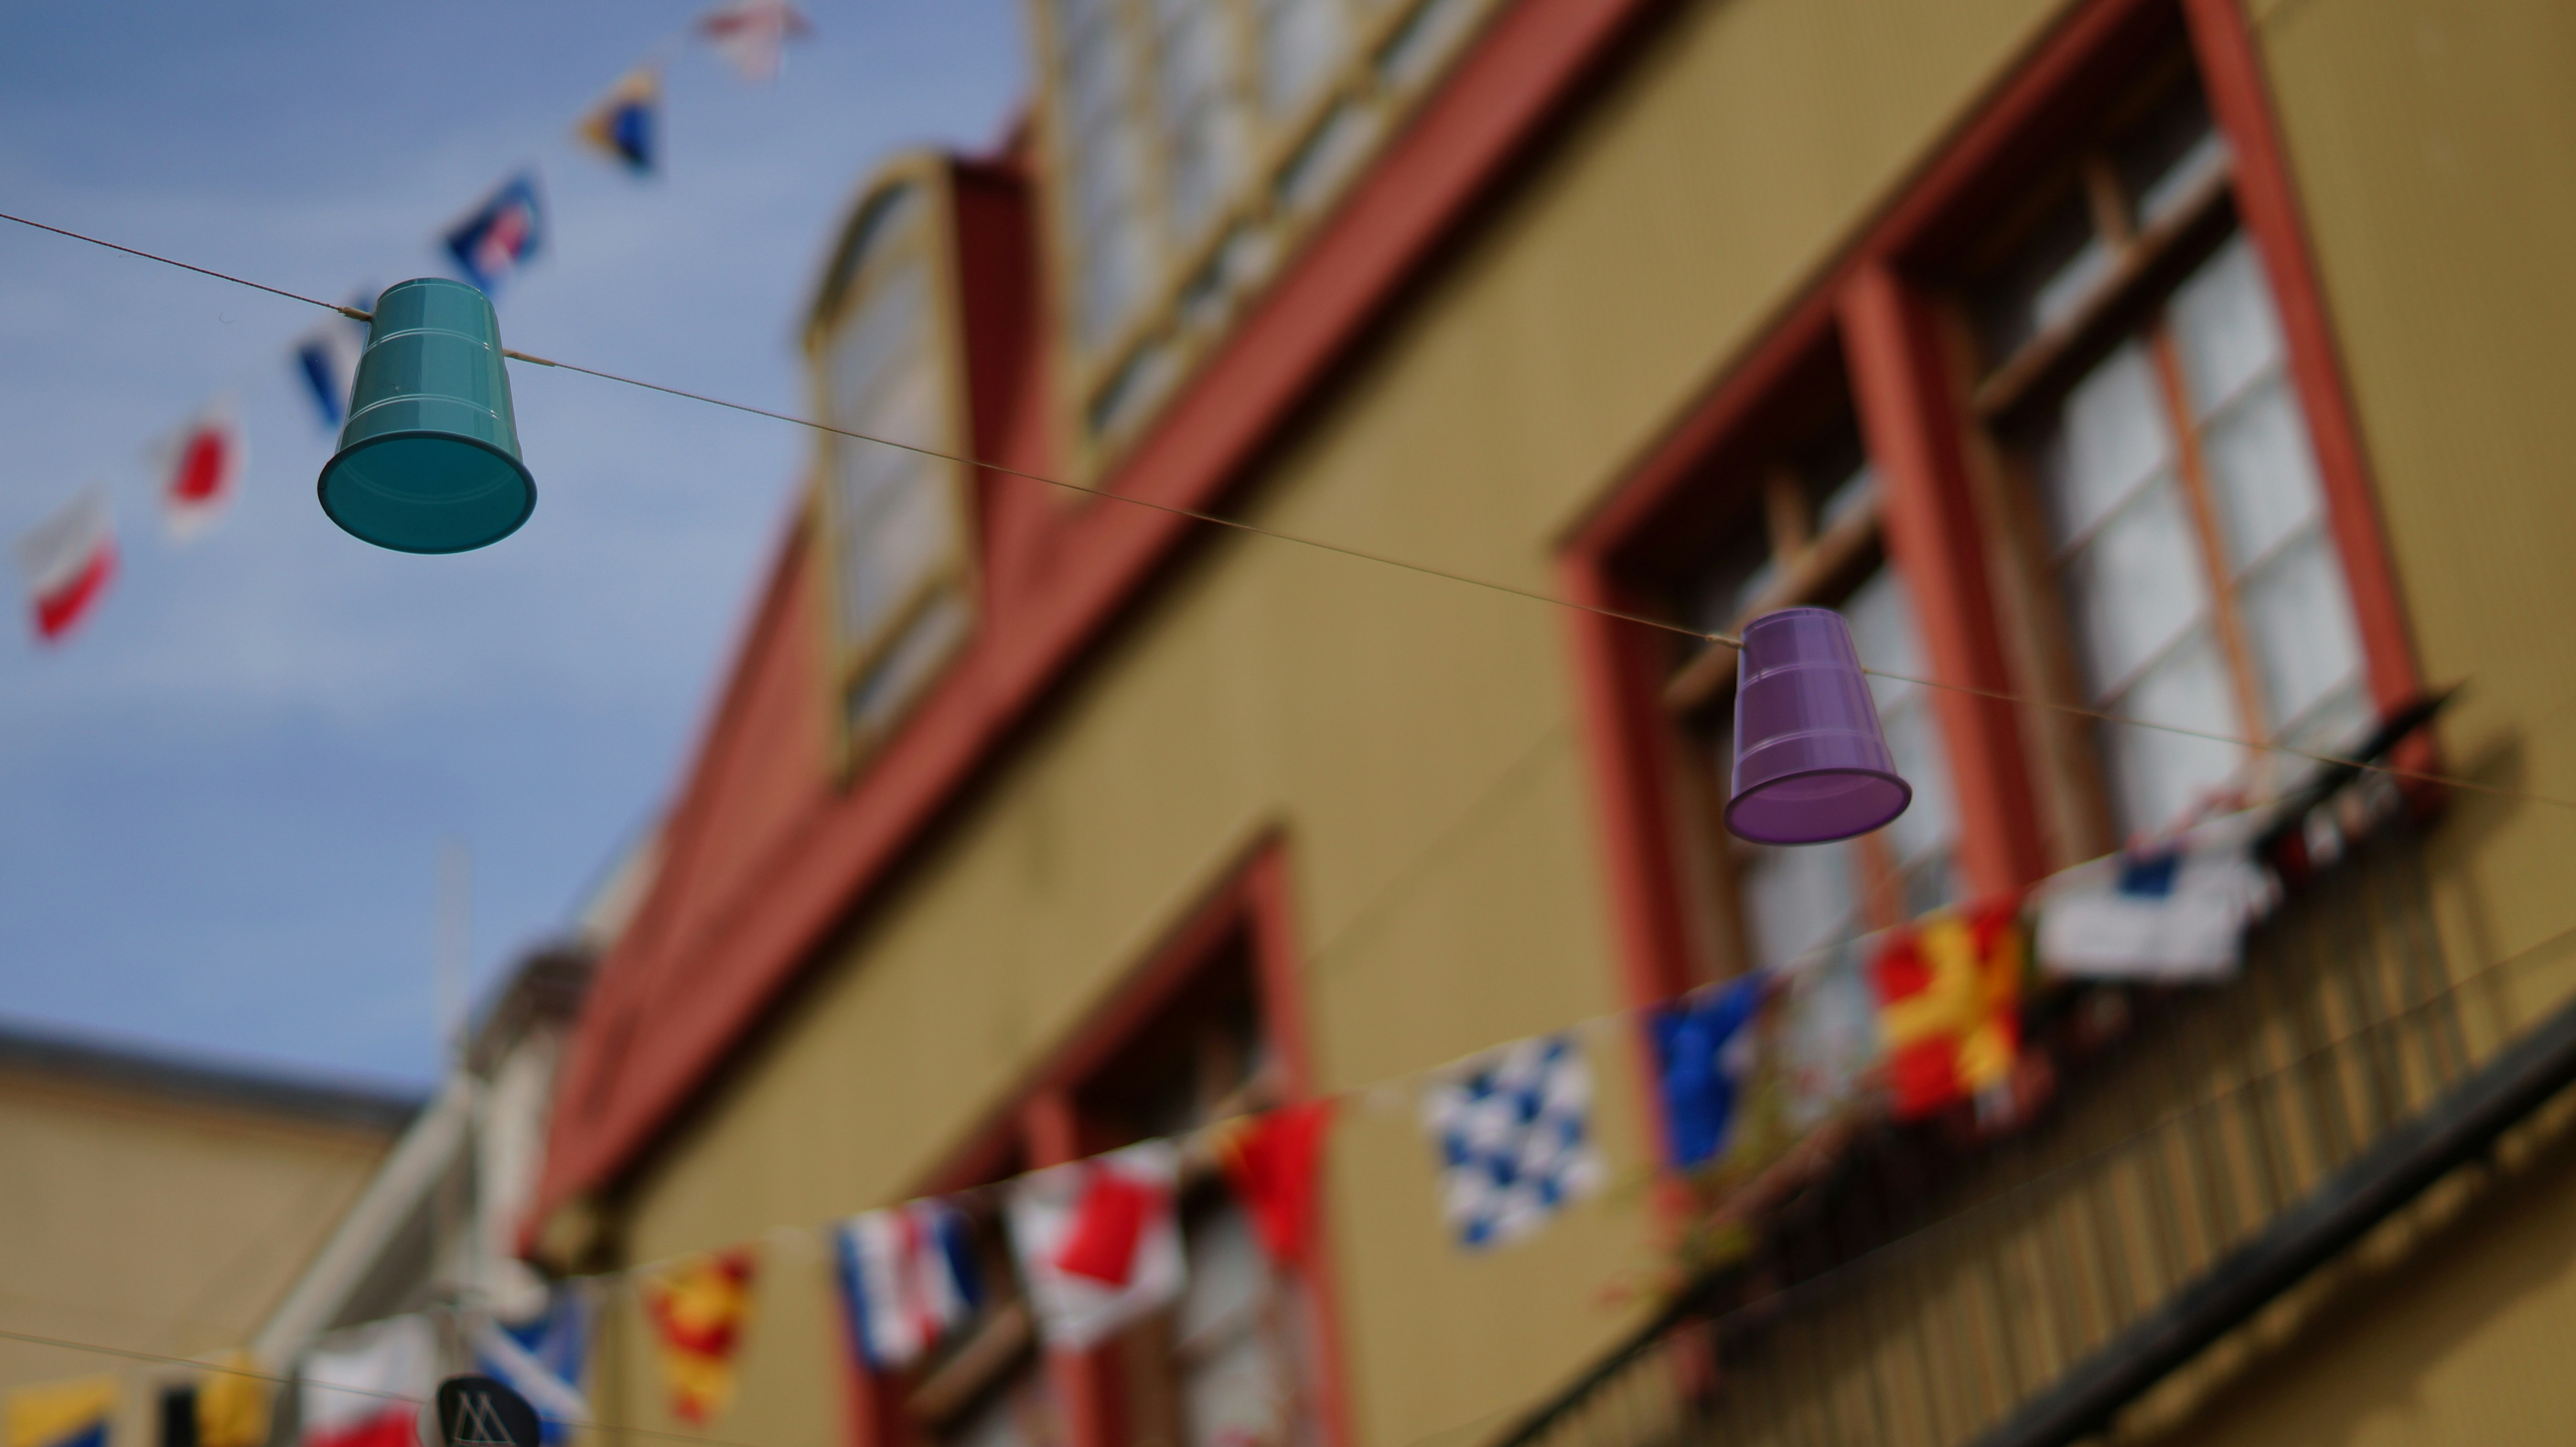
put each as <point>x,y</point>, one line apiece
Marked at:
<point>1914,422</point>
<point>1043,1125</point>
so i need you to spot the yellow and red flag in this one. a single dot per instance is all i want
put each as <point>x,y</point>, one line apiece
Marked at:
<point>1949,1005</point>
<point>699,1310</point>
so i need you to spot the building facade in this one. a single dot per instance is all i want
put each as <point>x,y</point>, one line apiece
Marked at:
<point>2165,360</point>
<point>160,1205</point>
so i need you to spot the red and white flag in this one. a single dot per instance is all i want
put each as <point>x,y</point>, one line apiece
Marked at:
<point>753,34</point>
<point>201,469</point>
<point>68,559</point>
<point>368,1389</point>
<point>1099,1242</point>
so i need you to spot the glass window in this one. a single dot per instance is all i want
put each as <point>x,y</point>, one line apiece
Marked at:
<point>1227,1365</point>
<point>2186,526</point>
<point>1191,139</point>
<point>893,522</point>
<point>1809,534</point>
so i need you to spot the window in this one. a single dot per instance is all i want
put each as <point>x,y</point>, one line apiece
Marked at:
<point>2134,366</point>
<point>893,524</point>
<point>1190,141</point>
<point>1203,1033</point>
<point>1229,1365</point>
<point>1806,531</point>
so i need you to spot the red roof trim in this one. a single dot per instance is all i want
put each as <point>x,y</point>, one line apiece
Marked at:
<point>669,1011</point>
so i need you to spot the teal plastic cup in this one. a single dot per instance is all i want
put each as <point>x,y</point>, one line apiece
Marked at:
<point>429,458</point>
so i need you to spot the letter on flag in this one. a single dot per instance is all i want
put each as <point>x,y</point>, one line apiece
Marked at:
<point>201,469</point>
<point>626,124</point>
<point>908,1278</point>
<point>1099,1242</point>
<point>502,235</point>
<point>68,559</point>
<point>753,34</point>
<point>62,1414</point>
<point>367,1390</point>
<point>698,1310</point>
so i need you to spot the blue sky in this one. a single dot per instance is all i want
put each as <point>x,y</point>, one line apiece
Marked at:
<point>223,802</point>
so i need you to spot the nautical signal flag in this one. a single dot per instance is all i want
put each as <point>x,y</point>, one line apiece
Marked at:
<point>908,1278</point>
<point>1949,1005</point>
<point>326,359</point>
<point>699,1310</point>
<point>542,1357</point>
<point>626,124</point>
<point>201,469</point>
<point>68,560</point>
<point>753,35</point>
<point>366,1390</point>
<point>1705,1054</point>
<point>1269,1160</point>
<point>503,235</point>
<point>1099,1242</point>
<point>62,1414</point>
<point>232,1404</point>
<point>1513,1129</point>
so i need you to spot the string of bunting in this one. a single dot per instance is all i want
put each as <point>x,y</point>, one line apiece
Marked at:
<point>69,559</point>
<point>1919,1023</point>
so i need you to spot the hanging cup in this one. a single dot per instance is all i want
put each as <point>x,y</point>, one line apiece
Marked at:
<point>429,458</point>
<point>1811,765</point>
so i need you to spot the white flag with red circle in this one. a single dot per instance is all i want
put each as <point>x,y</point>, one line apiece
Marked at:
<point>67,561</point>
<point>1099,1242</point>
<point>201,469</point>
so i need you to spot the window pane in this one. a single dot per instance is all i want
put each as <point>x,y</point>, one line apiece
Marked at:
<point>1233,1388</point>
<point>1797,898</point>
<point>2061,264</point>
<point>2158,777</point>
<point>2261,469</point>
<point>2224,326</point>
<point>2136,587</point>
<point>2169,155</point>
<point>2298,618</point>
<point>1882,624</point>
<point>1301,42</point>
<point>1201,128</point>
<point>2110,439</point>
<point>881,343</point>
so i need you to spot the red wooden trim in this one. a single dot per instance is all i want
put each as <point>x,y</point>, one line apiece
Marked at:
<point>2231,70</point>
<point>1530,62</point>
<point>1911,420</point>
<point>1278,970</point>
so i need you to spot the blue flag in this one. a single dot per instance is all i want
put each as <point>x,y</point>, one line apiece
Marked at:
<point>542,1359</point>
<point>1699,1071</point>
<point>625,123</point>
<point>501,236</point>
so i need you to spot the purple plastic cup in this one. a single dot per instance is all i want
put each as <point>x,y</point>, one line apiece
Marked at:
<point>1811,765</point>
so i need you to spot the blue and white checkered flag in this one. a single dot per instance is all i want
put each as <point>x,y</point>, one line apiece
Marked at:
<point>1514,1130</point>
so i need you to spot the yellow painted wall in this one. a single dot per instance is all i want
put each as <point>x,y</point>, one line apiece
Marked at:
<point>1412,737</point>
<point>137,1221</point>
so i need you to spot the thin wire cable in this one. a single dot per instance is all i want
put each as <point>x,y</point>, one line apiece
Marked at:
<point>1219,520</point>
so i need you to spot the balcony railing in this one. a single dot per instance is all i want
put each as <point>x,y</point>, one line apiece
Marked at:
<point>2232,1138</point>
